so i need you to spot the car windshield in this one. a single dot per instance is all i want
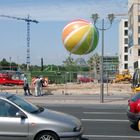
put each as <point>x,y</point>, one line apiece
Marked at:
<point>136,97</point>
<point>25,105</point>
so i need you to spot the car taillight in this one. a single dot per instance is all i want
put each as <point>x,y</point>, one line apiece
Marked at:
<point>138,108</point>
<point>132,107</point>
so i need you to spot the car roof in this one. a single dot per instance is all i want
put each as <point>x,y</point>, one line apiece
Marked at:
<point>5,94</point>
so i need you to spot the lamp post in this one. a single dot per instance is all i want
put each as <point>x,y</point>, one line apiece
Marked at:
<point>103,28</point>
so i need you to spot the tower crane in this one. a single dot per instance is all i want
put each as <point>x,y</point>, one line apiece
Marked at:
<point>121,15</point>
<point>28,20</point>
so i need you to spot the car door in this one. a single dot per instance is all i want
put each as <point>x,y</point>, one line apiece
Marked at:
<point>11,126</point>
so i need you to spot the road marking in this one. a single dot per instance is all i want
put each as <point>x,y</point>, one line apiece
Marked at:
<point>115,113</point>
<point>111,136</point>
<point>104,120</point>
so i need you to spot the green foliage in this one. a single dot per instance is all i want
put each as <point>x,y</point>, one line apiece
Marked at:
<point>69,61</point>
<point>72,65</point>
<point>94,62</point>
<point>4,62</point>
<point>55,73</point>
<point>5,65</point>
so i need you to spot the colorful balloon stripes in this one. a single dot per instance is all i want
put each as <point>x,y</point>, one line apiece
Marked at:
<point>80,37</point>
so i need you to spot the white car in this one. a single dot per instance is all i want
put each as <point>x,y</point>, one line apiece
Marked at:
<point>21,120</point>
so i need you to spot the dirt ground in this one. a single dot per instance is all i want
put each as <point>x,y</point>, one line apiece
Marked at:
<point>74,89</point>
<point>91,88</point>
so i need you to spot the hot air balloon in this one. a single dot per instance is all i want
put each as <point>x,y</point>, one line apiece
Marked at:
<point>80,37</point>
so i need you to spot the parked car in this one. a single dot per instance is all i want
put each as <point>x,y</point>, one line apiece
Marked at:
<point>133,111</point>
<point>21,120</point>
<point>85,79</point>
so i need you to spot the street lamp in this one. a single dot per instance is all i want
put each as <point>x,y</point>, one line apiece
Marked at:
<point>95,17</point>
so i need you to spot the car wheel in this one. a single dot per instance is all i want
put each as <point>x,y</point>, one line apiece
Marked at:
<point>139,125</point>
<point>47,136</point>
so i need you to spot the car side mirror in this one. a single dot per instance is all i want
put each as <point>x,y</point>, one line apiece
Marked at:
<point>21,115</point>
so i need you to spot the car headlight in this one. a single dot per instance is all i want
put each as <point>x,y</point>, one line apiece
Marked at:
<point>77,129</point>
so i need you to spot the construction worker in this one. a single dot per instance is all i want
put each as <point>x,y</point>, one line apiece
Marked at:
<point>37,86</point>
<point>26,87</point>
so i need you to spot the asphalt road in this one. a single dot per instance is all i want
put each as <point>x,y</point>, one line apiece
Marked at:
<point>102,122</point>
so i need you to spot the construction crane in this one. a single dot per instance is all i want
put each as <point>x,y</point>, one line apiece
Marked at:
<point>28,20</point>
<point>121,15</point>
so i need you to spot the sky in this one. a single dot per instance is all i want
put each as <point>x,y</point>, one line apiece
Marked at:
<point>46,36</point>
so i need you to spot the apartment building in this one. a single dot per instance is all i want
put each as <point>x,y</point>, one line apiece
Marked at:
<point>133,34</point>
<point>123,45</point>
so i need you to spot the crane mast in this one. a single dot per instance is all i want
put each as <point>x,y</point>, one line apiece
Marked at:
<point>28,20</point>
<point>28,45</point>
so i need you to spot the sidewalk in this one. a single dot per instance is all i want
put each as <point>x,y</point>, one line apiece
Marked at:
<point>78,99</point>
<point>78,94</point>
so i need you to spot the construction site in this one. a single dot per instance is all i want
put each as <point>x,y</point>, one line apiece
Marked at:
<point>72,83</point>
<point>77,89</point>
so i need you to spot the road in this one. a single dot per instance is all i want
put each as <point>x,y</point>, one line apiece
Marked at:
<point>102,122</point>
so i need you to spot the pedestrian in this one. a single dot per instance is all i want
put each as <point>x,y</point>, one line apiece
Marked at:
<point>26,87</point>
<point>41,86</point>
<point>37,86</point>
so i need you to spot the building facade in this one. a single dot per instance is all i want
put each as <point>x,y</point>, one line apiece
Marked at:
<point>123,45</point>
<point>110,65</point>
<point>133,34</point>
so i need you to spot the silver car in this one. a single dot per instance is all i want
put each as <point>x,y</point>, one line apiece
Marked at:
<point>21,120</point>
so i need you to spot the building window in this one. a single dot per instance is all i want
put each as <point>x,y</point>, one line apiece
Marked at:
<point>139,7</point>
<point>125,24</point>
<point>138,18</point>
<point>138,52</point>
<point>126,32</point>
<point>139,29</point>
<point>130,51</point>
<point>126,58</point>
<point>125,66</point>
<point>135,64</point>
<point>126,49</point>
<point>138,40</point>
<point>126,41</point>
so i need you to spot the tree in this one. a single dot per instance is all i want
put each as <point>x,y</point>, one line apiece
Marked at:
<point>81,62</point>
<point>70,64</point>
<point>69,61</point>
<point>4,62</point>
<point>94,62</point>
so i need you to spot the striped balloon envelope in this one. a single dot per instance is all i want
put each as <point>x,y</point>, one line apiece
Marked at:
<point>80,37</point>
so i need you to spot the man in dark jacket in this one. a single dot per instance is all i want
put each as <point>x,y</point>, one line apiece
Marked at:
<point>26,87</point>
